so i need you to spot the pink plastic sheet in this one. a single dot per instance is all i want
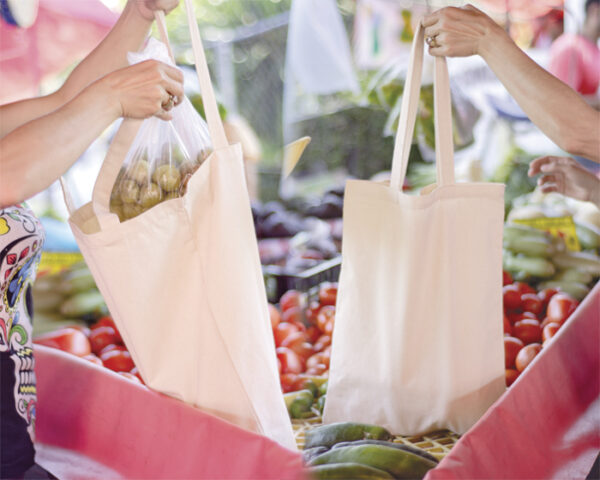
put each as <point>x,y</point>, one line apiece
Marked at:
<point>109,420</point>
<point>547,425</point>
<point>64,32</point>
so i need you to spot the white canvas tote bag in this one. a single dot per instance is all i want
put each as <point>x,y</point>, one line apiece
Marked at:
<point>418,340</point>
<point>183,282</point>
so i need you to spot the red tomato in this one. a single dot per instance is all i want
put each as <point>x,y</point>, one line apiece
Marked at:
<point>117,360</point>
<point>524,287</point>
<point>506,278</point>
<point>290,361</point>
<point>530,302</point>
<point>293,315</point>
<point>322,343</point>
<point>516,317</point>
<point>512,346</point>
<point>526,355</point>
<point>546,294</point>
<point>274,315</point>
<point>112,346</point>
<point>102,336</point>
<point>93,358</point>
<point>67,339</point>
<point>507,326</point>
<point>83,329</point>
<point>326,315</point>
<point>313,333</point>
<point>528,331</point>
<point>279,366</point>
<point>312,311</point>
<point>107,321</point>
<point>545,322</point>
<point>550,330</point>
<point>283,330</point>
<point>318,369</point>
<point>136,372</point>
<point>560,307</point>
<point>511,297</point>
<point>291,298</point>
<point>511,376</point>
<point>287,381</point>
<point>130,376</point>
<point>298,342</point>
<point>317,358</point>
<point>328,293</point>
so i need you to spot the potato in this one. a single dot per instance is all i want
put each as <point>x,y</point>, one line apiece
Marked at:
<point>130,192</point>
<point>203,155</point>
<point>177,155</point>
<point>118,209</point>
<point>167,177</point>
<point>150,195</point>
<point>139,171</point>
<point>131,210</point>
<point>188,168</point>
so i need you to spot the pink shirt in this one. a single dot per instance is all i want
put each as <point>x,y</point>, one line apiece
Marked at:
<point>576,61</point>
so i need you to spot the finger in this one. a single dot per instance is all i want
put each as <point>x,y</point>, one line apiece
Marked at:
<point>468,6</point>
<point>549,187</point>
<point>172,72</point>
<point>438,51</point>
<point>173,88</point>
<point>432,31</point>
<point>163,115</point>
<point>431,19</point>
<point>536,164</point>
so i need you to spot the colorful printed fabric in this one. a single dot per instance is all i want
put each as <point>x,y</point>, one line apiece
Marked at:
<point>21,240</point>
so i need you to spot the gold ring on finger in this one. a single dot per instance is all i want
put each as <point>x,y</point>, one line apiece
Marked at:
<point>168,105</point>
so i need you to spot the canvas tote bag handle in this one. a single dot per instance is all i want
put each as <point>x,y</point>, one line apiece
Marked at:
<point>112,163</point>
<point>444,151</point>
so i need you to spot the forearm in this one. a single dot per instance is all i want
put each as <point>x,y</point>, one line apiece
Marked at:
<point>126,35</point>
<point>30,160</point>
<point>559,112</point>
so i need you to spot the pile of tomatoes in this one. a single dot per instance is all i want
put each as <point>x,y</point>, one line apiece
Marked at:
<point>100,344</point>
<point>531,319</point>
<point>302,329</point>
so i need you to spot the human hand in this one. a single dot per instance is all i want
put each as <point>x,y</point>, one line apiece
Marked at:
<point>565,175</point>
<point>144,89</point>
<point>458,32</point>
<point>146,8</point>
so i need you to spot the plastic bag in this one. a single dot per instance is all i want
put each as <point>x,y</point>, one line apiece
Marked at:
<point>164,154</point>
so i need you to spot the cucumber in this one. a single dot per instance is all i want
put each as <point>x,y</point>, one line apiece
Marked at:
<point>400,446</point>
<point>329,435</point>
<point>348,470</point>
<point>528,245</point>
<point>47,301</point>
<point>75,281</point>
<point>84,304</point>
<point>524,267</point>
<point>573,275</point>
<point>398,463</point>
<point>585,261</point>
<point>514,230</point>
<point>588,235</point>
<point>575,289</point>
<point>310,453</point>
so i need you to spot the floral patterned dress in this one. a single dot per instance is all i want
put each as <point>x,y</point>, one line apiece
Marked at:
<point>21,240</point>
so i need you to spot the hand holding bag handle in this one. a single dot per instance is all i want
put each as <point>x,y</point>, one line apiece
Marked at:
<point>112,163</point>
<point>444,150</point>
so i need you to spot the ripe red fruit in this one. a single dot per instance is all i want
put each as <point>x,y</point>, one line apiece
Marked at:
<point>512,346</point>
<point>511,297</point>
<point>528,331</point>
<point>526,356</point>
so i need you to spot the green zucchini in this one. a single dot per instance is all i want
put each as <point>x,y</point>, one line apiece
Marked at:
<point>329,435</point>
<point>348,471</point>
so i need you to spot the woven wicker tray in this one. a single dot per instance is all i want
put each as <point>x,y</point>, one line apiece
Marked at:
<point>437,443</point>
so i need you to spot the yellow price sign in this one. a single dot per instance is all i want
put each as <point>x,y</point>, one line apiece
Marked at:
<point>562,227</point>
<point>53,262</point>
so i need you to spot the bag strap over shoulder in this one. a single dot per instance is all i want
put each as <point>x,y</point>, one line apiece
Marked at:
<point>408,114</point>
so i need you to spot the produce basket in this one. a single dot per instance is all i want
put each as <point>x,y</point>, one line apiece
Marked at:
<point>437,443</point>
<point>277,281</point>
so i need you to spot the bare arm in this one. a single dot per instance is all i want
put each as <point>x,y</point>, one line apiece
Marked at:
<point>35,154</point>
<point>111,54</point>
<point>558,111</point>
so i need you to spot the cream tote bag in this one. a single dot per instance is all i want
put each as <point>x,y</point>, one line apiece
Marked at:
<point>418,340</point>
<point>184,284</point>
